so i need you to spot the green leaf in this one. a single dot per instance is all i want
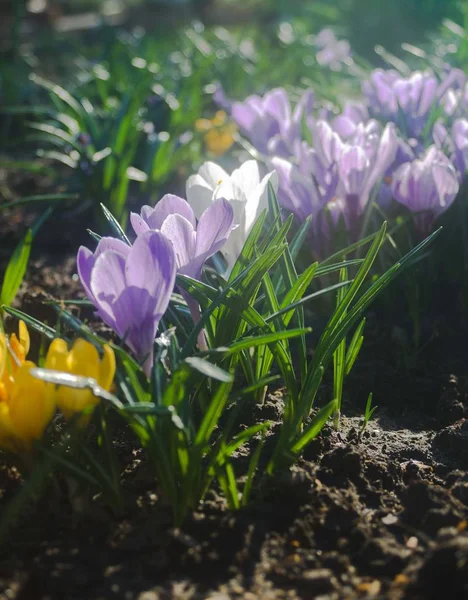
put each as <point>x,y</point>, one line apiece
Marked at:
<point>208,369</point>
<point>253,464</point>
<point>40,198</point>
<point>355,346</point>
<point>314,428</point>
<point>16,270</point>
<point>115,225</point>
<point>212,415</point>
<point>60,93</point>
<point>31,322</point>
<point>262,340</point>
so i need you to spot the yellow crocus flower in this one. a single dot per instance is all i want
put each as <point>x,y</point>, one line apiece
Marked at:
<point>82,359</point>
<point>219,134</point>
<point>26,406</point>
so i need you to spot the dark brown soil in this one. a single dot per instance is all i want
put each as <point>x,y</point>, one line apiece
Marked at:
<point>382,516</point>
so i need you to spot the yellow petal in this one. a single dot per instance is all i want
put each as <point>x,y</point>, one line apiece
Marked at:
<point>31,407</point>
<point>3,354</point>
<point>57,355</point>
<point>202,125</point>
<point>83,359</point>
<point>107,368</point>
<point>218,141</point>
<point>71,401</point>
<point>219,118</point>
<point>25,340</point>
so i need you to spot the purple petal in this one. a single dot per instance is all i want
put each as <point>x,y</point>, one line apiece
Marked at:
<point>138,223</point>
<point>107,283</point>
<point>169,205</point>
<point>152,266</point>
<point>85,262</point>
<point>276,103</point>
<point>182,235</point>
<point>214,228</point>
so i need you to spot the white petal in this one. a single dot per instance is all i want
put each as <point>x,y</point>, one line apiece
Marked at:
<point>257,201</point>
<point>246,177</point>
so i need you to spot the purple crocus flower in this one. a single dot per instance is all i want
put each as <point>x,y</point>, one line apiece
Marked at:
<point>455,145</point>
<point>130,287</point>
<point>455,102</point>
<point>346,123</point>
<point>460,142</point>
<point>193,243</point>
<point>403,154</point>
<point>335,174</point>
<point>427,187</point>
<point>407,101</point>
<point>270,124</point>
<point>454,79</point>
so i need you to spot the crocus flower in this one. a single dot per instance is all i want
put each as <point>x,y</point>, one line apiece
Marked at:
<point>407,101</point>
<point>245,191</point>
<point>193,243</point>
<point>460,143</point>
<point>346,123</point>
<point>130,287</point>
<point>26,407</point>
<point>453,144</point>
<point>218,133</point>
<point>453,79</point>
<point>336,174</point>
<point>427,187</point>
<point>455,102</point>
<point>269,122</point>
<point>82,359</point>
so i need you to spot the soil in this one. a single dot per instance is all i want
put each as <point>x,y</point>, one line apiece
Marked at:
<point>378,515</point>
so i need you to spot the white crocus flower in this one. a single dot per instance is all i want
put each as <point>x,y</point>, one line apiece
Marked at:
<point>245,191</point>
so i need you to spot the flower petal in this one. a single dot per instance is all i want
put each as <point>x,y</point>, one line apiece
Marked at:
<point>214,228</point>
<point>169,205</point>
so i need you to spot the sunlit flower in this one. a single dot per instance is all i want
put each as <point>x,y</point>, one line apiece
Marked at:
<point>218,133</point>
<point>82,359</point>
<point>270,123</point>
<point>336,175</point>
<point>454,144</point>
<point>427,187</point>
<point>193,242</point>
<point>244,189</point>
<point>26,406</point>
<point>130,287</point>
<point>407,101</point>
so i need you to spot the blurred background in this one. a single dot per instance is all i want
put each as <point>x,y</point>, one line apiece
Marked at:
<point>364,22</point>
<point>118,101</point>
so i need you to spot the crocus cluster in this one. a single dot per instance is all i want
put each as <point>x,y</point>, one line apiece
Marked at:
<point>331,165</point>
<point>131,285</point>
<point>27,404</point>
<point>271,124</point>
